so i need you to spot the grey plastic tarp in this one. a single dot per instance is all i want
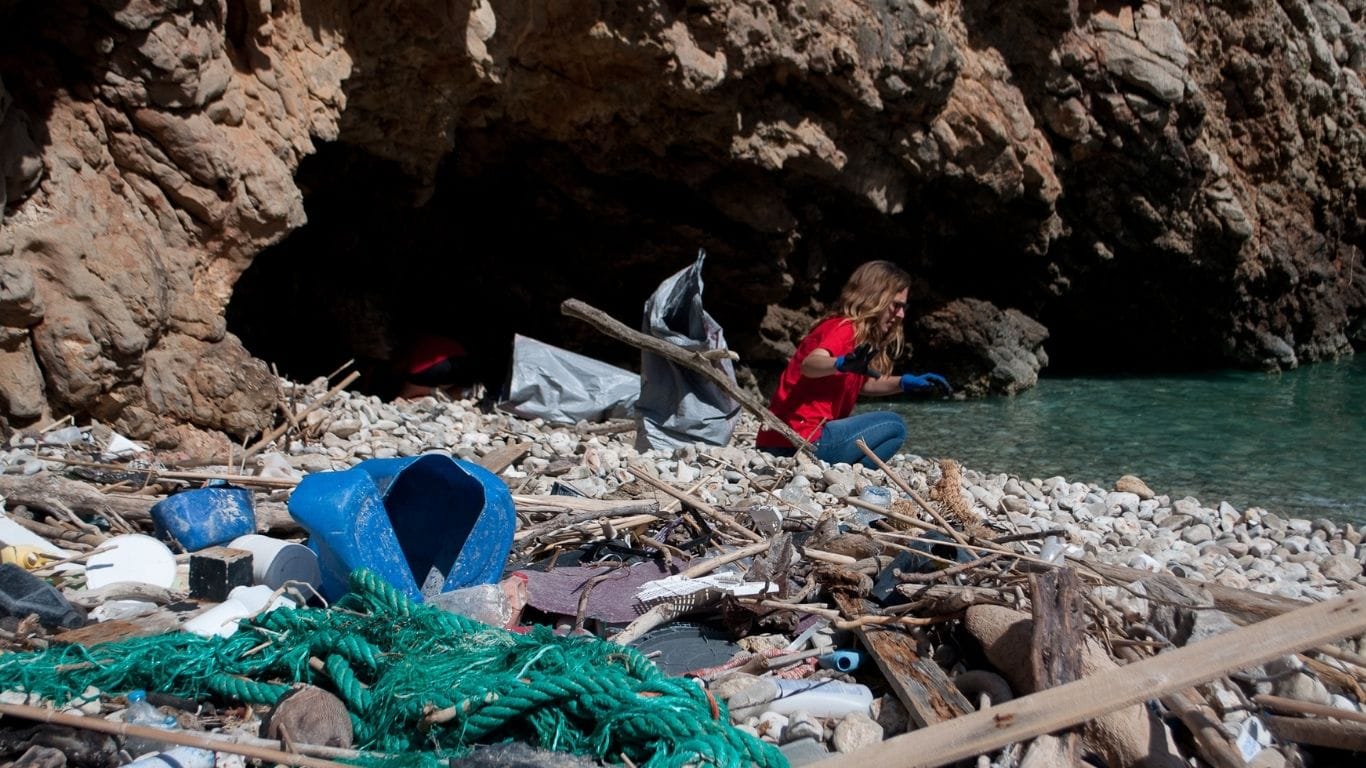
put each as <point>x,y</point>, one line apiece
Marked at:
<point>679,406</point>
<point>565,387</point>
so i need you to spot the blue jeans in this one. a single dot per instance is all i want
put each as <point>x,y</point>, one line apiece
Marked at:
<point>884,432</point>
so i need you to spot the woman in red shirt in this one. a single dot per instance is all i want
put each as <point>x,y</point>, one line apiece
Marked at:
<point>846,355</point>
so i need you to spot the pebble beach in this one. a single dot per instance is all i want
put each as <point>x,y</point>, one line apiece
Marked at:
<point>1126,523</point>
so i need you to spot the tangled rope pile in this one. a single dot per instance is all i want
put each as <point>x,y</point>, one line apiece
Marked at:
<point>417,679</point>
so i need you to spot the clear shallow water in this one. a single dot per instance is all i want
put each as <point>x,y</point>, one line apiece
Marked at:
<point>1292,442</point>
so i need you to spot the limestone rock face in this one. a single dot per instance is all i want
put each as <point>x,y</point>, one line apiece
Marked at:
<point>1180,181</point>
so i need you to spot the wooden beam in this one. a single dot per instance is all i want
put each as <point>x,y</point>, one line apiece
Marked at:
<point>1058,708</point>
<point>693,361</point>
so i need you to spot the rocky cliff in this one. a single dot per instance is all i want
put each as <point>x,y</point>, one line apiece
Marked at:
<point>194,190</point>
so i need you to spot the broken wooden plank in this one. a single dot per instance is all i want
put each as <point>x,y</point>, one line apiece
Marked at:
<point>503,457</point>
<point>929,695</point>
<point>1057,708</point>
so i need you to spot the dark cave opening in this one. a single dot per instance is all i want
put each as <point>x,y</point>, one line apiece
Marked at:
<point>489,251</point>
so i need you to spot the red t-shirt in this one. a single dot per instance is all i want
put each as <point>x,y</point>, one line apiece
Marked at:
<point>806,403</point>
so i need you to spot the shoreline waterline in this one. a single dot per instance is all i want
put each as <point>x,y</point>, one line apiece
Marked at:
<point>1291,442</point>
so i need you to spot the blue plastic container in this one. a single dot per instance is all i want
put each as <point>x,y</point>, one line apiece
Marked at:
<point>419,521</point>
<point>205,517</point>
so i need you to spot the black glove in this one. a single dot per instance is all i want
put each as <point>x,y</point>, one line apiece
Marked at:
<point>857,361</point>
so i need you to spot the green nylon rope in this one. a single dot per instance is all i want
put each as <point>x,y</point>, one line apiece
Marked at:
<point>421,683</point>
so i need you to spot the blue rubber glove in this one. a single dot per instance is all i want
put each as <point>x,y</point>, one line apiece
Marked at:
<point>924,382</point>
<point>857,361</point>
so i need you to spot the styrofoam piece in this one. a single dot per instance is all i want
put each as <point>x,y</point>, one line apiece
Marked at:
<point>276,561</point>
<point>131,557</point>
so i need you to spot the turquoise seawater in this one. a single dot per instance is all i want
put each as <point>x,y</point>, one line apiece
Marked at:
<point>1292,442</point>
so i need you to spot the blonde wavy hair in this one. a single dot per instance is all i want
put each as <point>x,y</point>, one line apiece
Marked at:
<point>863,300</point>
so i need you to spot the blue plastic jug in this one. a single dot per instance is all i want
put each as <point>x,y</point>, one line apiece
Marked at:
<point>408,520</point>
<point>205,517</point>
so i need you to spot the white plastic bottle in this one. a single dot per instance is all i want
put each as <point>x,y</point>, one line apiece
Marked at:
<point>822,698</point>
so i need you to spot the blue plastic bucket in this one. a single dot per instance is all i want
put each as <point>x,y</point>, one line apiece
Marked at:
<point>204,517</point>
<point>426,523</point>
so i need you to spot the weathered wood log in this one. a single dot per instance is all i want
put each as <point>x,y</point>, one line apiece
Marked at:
<point>62,536</point>
<point>954,598</point>
<point>693,361</point>
<point>1203,723</point>
<point>1057,708</point>
<point>1196,714</point>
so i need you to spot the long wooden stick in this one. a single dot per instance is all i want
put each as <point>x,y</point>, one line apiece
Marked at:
<point>1297,707</point>
<point>183,738</point>
<point>1058,708</point>
<point>693,361</point>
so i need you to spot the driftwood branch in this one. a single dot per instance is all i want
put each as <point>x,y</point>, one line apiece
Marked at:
<point>693,361</point>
